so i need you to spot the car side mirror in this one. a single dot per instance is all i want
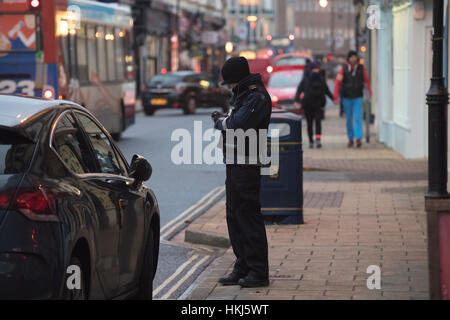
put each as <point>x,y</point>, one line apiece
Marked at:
<point>140,169</point>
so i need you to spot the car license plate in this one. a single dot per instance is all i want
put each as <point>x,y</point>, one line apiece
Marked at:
<point>159,102</point>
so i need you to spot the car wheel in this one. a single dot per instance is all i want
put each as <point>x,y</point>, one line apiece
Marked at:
<point>147,273</point>
<point>191,106</point>
<point>75,294</point>
<point>149,111</point>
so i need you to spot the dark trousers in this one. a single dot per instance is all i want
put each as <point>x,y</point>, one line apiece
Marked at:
<point>244,220</point>
<point>313,117</point>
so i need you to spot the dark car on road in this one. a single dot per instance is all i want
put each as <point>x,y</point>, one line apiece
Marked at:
<point>76,220</point>
<point>184,90</point>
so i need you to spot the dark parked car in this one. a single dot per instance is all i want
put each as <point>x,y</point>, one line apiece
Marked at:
<point>185,90</point>
<point>70,206</point>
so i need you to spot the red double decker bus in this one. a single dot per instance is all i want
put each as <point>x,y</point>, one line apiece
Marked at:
<point>77,50</point>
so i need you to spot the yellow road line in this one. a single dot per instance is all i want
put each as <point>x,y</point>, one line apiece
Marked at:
<point>173,276</point>
<point>186,276</point>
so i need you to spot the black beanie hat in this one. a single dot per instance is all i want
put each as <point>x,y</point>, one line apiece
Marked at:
<point>234,70</point>
<point>352,53</point>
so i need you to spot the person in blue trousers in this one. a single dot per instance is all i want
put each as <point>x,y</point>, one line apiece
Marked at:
<point>349,84</point>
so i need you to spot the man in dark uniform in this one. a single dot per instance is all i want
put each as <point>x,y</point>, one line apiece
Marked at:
<point>252,108</point>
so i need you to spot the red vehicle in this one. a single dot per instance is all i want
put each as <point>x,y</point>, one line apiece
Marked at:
<point>262,66</point>
<point>290,59</point>
<point>283,85</point>
<point>78,50</point>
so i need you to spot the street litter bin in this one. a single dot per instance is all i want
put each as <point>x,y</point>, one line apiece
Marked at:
<point>282,189</point>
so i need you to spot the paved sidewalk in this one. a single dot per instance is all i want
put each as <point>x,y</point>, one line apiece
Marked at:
<point>362,207</point>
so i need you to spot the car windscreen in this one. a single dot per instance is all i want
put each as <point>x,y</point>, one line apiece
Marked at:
<point>286,79</point>
<point>165,80</point>
<point>16,152</point>
<point>291,61</point>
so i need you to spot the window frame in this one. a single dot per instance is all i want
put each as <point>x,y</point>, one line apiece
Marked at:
<point>52,147</point>
<point>116,151</point>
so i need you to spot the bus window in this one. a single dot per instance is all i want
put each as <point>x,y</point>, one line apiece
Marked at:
<point>109,37</point>
<point>101,52</point>
<point>73,56</point>
<point>82,54</point>
<point>120,56</point>
<point>92,57</point>
<point>128,58</point>
<point>65,54</point>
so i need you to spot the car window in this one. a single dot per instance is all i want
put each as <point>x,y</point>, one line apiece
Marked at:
<point>287,79</point>
<point>103,150</point>
<point>164,80</point>
<point>69,143</point>
<point>291,61</point>
<point>16,152</point>
<point>123,165</point>
<point>191,78</point>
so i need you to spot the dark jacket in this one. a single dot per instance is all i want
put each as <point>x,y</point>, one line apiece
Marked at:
<point>314,88</point>
<point>251,109</point>
<point>353,82</point>
<point>350,82</point>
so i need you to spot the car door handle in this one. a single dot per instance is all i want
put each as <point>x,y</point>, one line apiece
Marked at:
<point>123,203</point>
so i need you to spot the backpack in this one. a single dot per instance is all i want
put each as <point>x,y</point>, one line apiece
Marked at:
<point>315,87</point>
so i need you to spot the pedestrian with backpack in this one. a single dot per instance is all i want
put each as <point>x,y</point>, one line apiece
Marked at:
<point>349,84</point>
<point>314,88</point>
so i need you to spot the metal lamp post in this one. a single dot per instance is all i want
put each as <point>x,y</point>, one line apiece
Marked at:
<point>437,100</point>
<point>437,200</point>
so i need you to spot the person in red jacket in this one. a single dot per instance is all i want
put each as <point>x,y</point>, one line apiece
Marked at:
<point>349,84</point>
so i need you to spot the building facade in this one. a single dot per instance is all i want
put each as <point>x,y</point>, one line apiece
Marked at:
<point>401,65</point>
<point>249,22</point>
<point>171,35</point>
<point>323,31</point>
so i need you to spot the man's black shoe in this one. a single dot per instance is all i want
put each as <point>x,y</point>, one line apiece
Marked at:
<point>231,279</point>
<point>251,281</point>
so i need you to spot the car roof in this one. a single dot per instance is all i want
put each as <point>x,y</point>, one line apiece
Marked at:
<point>291,55</point>
<point>15,109</point>
<point>179,73</point>
<point>284,69</point>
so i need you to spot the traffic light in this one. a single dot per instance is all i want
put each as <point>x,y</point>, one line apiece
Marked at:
<point>34,4</point>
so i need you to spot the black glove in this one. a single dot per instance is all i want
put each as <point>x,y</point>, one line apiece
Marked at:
<point>216,115</point>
